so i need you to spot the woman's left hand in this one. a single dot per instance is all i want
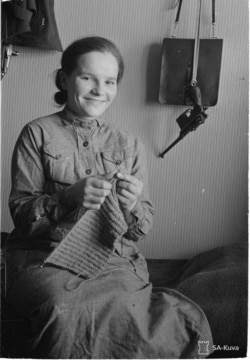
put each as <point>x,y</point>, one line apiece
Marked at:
<point>129,189</point>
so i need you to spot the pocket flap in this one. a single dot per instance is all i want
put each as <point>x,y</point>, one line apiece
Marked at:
<point>117,156</point>
<point>56,151</point>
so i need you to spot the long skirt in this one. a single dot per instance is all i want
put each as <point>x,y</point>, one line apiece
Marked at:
<point>115,315</point>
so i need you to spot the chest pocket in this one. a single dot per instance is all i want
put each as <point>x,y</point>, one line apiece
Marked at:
<point>58,163</point>
<point>117,160</point>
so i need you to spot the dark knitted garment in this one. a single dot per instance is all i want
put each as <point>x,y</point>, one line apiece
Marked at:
<point>87,247</point>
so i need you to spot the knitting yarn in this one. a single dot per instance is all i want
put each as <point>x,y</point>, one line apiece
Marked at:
<point>87,247</point>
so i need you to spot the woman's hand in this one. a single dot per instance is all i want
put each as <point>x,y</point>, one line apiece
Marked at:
<point>89,192</point>
<point>129,189</point>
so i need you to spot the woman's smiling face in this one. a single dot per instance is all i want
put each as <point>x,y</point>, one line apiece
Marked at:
<point>92,86</point>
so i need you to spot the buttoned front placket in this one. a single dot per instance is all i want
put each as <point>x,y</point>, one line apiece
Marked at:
<point>85,140</point>
<point>63,150</point>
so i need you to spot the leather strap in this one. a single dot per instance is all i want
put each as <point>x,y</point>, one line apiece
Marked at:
<point>177,18</point>
<point>196,45</point>
<point>178,12</point>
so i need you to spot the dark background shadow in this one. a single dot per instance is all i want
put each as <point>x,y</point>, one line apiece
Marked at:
<point>153,73</point>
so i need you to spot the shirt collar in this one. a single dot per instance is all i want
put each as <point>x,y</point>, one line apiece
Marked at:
<point>69,118</point>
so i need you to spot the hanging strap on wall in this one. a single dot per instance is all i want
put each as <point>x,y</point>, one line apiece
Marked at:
<point>196,45</point>
<point>176,23</point>
<point>213,20</point>
<point>177,18</point>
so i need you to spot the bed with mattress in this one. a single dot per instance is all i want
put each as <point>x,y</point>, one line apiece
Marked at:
<point>216,280</point>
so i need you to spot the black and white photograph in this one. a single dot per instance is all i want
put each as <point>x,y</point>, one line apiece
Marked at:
<point>124,179</point>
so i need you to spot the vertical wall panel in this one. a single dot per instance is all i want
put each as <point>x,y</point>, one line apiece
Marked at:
<point>200,188</point>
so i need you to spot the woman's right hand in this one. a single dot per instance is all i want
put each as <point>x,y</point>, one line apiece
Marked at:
<point>89,192</point>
